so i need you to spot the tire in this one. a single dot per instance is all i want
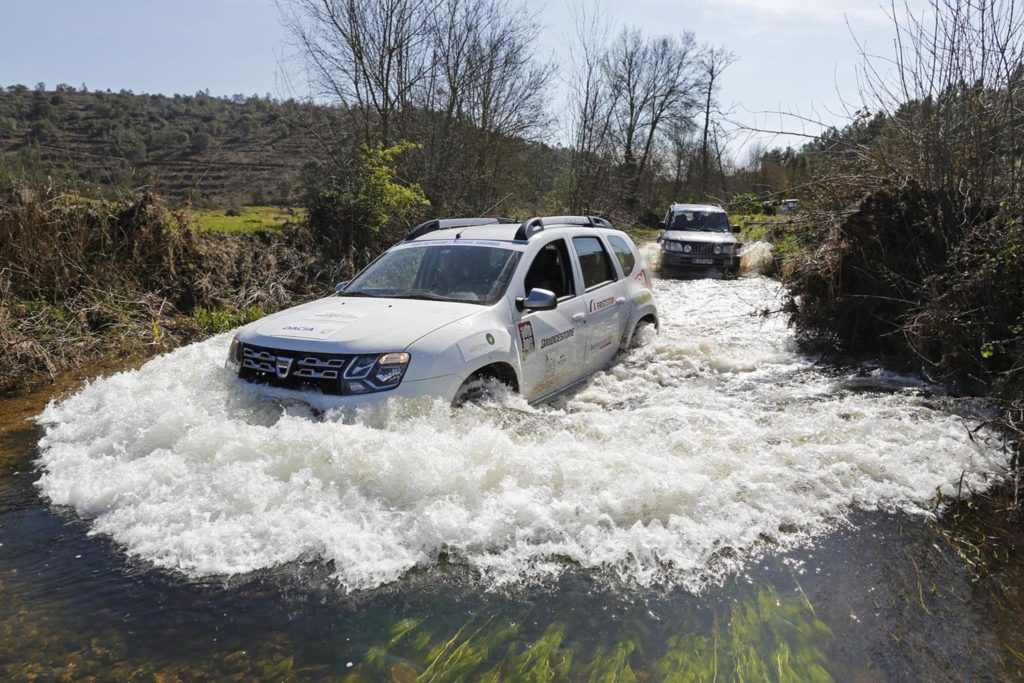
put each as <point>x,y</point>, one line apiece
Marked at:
<point>479,389</point>
<point>640,337</point>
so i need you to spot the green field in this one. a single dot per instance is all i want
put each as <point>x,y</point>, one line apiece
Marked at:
<point>249,219</point>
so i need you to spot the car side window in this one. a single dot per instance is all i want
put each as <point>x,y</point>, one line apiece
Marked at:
<point>622,252</point>
<point>594,262</point>
<point>551,270</point>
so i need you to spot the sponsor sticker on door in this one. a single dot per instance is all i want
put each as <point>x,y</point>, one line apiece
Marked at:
<point>526,337</point>
<point>601,304</point>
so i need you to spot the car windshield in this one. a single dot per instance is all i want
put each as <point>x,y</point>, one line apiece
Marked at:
<point>438,272</point>
<point>708,221</point>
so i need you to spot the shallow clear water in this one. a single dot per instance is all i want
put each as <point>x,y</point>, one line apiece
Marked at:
<point>693,506</point>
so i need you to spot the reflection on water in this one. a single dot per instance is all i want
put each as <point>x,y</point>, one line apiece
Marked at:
<point>713,507</point>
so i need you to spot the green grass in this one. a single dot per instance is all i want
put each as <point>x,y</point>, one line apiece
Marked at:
<point>216,320</point>
<point>250,219</point>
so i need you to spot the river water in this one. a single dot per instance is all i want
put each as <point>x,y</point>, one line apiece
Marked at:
<point>714,504</point>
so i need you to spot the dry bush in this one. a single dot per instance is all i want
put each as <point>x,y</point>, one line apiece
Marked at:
<point>81,279</point>
<point>927,270</point>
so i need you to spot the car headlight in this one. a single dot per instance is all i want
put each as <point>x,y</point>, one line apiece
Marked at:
<point>687,248</point>
<point>718,249</point>
<point>234,353</point>
<point>669,245</point>
<point>367,374</point>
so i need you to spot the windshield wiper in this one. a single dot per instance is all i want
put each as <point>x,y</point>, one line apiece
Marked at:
<point>427,296</point>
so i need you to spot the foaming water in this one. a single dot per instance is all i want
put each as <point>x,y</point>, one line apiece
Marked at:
<point>711,444</point>
<point>756,257</point>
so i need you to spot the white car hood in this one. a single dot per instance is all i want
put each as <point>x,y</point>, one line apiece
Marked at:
<point>355,324</point>
<point>699,236</point>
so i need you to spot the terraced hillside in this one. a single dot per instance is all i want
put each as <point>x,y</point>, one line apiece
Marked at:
<point>210,150</point>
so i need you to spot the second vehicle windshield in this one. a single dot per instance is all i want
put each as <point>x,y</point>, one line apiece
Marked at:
<point>710,221</point>
<point>440,272</point>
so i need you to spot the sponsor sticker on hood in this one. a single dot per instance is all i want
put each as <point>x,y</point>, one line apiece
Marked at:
<point>338,316</point>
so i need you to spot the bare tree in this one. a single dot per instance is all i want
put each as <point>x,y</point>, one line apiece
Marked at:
<point>951,95</point>
<point>713,61</point>
<point>590,111</point>
<point>366,55</point>
<point>651,80</point>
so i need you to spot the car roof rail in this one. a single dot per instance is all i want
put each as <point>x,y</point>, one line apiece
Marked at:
<point>531,227</point>
<point>528,229</point>
<point>449,223</point>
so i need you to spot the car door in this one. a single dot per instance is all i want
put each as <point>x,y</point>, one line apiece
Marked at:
<point>605,301</point>
<point>551,343</point>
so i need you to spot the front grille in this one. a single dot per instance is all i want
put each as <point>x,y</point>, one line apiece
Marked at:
<point>701,247</point>
<point>293,369</point>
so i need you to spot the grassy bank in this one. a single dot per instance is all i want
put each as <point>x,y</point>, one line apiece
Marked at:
<point>247,219</point>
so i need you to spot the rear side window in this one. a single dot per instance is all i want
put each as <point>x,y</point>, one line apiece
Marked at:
<point>622,252</point>
<point>594,261</point>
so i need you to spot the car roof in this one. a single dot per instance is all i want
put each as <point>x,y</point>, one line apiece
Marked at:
<point>710,208</point>
<point>506,232</point>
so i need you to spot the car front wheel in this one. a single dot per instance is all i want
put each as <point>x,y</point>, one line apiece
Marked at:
<point>482,387</point>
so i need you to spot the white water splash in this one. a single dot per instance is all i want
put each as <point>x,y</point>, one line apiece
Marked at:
<point>703,448</point>
<point>756,257</point>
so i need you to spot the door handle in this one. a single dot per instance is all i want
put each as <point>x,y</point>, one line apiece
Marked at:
<point>579,318</point>
<point>620,300</point>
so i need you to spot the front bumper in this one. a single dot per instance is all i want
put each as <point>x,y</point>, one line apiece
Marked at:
<point>675,259</point>
<point>443,388</point>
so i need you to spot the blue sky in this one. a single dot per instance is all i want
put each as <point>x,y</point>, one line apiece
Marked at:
<point>793,55</point>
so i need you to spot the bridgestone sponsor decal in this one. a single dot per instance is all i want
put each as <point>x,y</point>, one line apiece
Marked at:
<point>561,336</point>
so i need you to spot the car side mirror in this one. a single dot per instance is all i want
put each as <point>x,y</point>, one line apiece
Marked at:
<point>340,286</point>
<point>661,224</point>
<point>736,229</point>
<point>538,300</point>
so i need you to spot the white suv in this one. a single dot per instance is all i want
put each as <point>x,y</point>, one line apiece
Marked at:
<point>539,306</point>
